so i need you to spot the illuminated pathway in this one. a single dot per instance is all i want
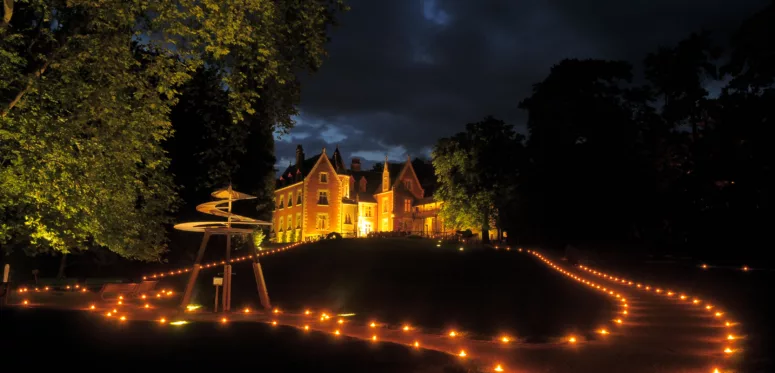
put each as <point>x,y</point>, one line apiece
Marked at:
<point>656,330</point>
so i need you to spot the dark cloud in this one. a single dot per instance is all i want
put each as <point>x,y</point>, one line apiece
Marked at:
<point>402,73</point>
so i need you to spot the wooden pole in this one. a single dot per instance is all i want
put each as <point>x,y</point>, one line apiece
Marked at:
<point>194,273</point>
<point>263,293</point>
<point>227,267</point>
<point>215,309</point>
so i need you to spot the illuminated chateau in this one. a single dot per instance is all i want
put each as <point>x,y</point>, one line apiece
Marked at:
<point>319,195</point>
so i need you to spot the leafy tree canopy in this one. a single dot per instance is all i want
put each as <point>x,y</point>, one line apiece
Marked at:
<point>85,94</point>
<point>476,172</point>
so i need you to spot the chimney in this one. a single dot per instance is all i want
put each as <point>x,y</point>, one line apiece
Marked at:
<point>355,165</point>
<point>299,156</point>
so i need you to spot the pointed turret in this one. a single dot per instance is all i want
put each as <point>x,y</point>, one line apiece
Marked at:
<point>385,176</point>
<point>338,162</point>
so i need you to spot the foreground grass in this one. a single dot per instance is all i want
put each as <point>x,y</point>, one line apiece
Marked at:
<point>483,292</point>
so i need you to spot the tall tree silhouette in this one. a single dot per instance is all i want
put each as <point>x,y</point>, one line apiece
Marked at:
<point>476,173</point>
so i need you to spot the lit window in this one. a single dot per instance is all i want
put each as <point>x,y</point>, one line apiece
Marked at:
<point>323,177</point>
<point>281,203</point>
<point>280,225</point>
<point>408,184</point>
<point>347,219</point>
<point>290,199</point>
<point>298,221</point>
<point>385,204</point>
<point>290,222</point>
<point>321,221</point>
<point>407,205</point>
<point>322,197</point>
<point>368,211</point>
<point>298,199</point>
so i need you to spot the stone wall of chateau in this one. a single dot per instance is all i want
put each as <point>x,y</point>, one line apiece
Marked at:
<point>290,214</point>
<point>313,209</point>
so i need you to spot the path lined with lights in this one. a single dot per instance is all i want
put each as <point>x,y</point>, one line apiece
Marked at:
<point>654,329</point>
<point>160,275</point>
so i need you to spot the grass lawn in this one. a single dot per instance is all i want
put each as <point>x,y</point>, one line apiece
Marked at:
<point>483,292</point>
<point>47,340</point>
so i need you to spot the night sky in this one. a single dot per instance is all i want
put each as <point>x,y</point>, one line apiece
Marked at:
<point>403,73</point>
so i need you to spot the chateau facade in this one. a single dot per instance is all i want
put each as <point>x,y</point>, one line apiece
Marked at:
<point>319,195</point>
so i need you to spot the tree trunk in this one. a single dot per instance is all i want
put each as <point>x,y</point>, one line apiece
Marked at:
<point>62,265</point>
<point>486,228</point>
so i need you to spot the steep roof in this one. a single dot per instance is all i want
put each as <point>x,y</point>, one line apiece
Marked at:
<point>306,165</point>
<point>373,179</point>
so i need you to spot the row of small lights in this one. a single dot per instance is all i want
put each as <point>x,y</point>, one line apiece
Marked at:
<point>324,317</point>
<point>618,297</point>
<point>743,268</point>
<point>114,313</point>
<point>213,264</point>
<point>678,296</point>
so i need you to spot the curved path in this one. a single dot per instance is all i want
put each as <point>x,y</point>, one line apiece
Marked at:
<point>656,330</point>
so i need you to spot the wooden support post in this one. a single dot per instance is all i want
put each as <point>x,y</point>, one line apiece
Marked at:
<point>215,309</point>
<point>227,288</point>
<point>227,276</point>
<point>194,273</point>
<point>263,293</point>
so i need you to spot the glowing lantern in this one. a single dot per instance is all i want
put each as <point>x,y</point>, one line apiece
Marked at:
<point>462,353</point>
<point>498,368</point>
<point>306,327</point>
<point>114,311</point>
<point>704,266</point>
<point>277,310</point>
<point>618,321</point>
<point>624,312</point>
<point>406,328</point>
<point>373,324</point>
<point>340,321</point>
<point>603,331</point>
<point>120,302</point>
<point>730,337</point>
<point>158,295</point>
<point>728,350</point>
<point>453,334</point>
<point>121,297</point>
<point>246,310</point>
<point>718,314</point>
<point>274,323</point>
<point>745,268</point>
<point>224,320</point>
<point>572,339</point>
<point>728,324</point>
<point>306,312</point>
<point>416,344</point>
<point>374,337</point>
<point>108,314</point>
<point>708,307</point>
<point>45,289</point>
<point>92,307</point>
<point>461,248</point>
<point>696,301</point>
<point>83,290</point>
<point>147,305</point>
<point>336,332</point>
<point>505,339</point>
<point>123,318</point>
